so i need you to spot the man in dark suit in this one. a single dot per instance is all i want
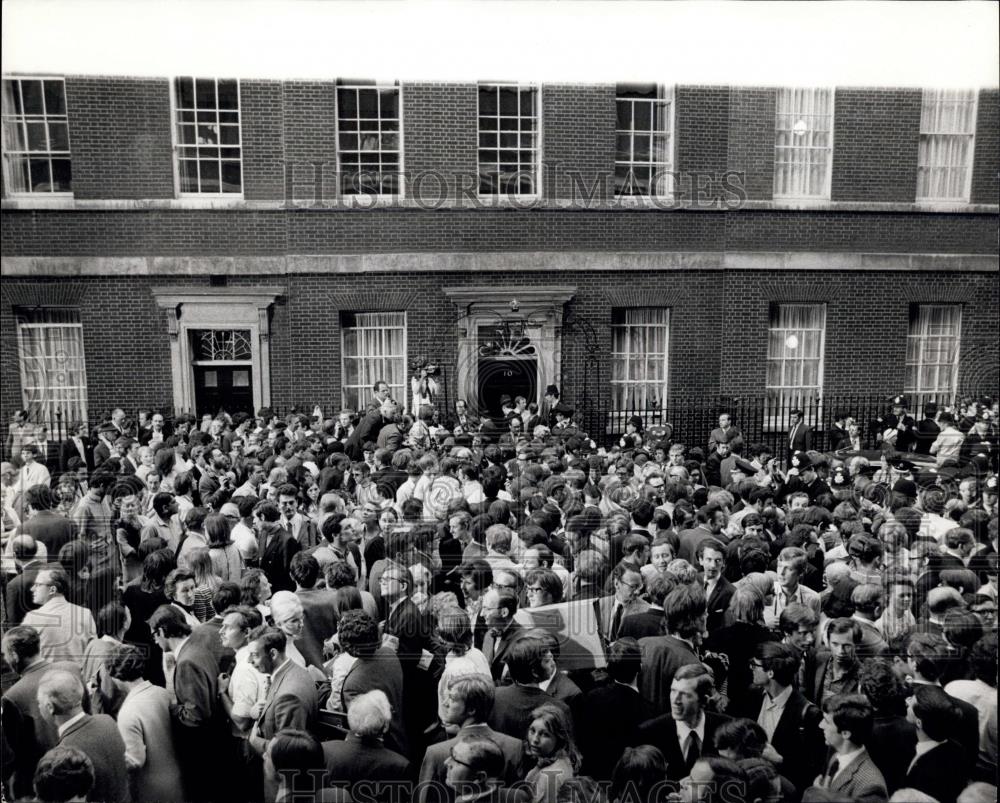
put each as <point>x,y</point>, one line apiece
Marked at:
<point>711,556</point>
<point>45,525</point>
<point>77,445</point>
<point>799,434</point>
<point>473,773</point>
<point>513,704</point>
<point>318,611</point>
<point>368,428</point>
<point>608,717</point>
<point>207,635</point>
<point>939,769</point>
<point>275,546</point>
<point>377,667</point>
<point>789,719</point>
<point>927,659</point>
<point>623,602</point>
<point>60,699</point>
<point>498,609</point>
<point>711,522</point>
<point>686,733</point>
<point>291,701</point>
<point>27,732</point>
<point>663,655</point>
<point>197,713</point>
<point>361,755</point>
<point>468,705</point>
<point>18,592</point>
<point>412,632</point>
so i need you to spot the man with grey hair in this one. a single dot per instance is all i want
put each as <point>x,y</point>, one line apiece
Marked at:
<point>60,701</point>
<point>362,754</point>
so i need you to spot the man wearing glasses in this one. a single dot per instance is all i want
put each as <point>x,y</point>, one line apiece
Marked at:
<point>64,628</point>
<point>498,609</point>
<point>624,602</point>
<point>472,769</point>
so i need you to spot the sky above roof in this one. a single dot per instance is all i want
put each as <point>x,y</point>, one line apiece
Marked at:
<point>749,43</point>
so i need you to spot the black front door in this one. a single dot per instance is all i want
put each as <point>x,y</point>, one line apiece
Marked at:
<point>505,376</point>
<point>223,387</point>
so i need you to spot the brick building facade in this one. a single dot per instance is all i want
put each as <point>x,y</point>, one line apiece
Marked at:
<point>145,267</point>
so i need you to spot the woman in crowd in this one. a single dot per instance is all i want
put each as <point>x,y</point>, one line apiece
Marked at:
<point>227,563</point>
<point>256,592</point>
<point>549,743</point>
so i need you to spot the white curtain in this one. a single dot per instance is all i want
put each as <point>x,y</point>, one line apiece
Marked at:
<point>932,351</point>
<point>803,134</point>
<point>795,353</point>
<point>639,347</point>
<point>947,130</point>
<point>374,348</point>
<point>53,370</point>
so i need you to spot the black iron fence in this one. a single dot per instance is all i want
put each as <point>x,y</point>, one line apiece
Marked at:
<point>761,419</point>
<point>689,419</point>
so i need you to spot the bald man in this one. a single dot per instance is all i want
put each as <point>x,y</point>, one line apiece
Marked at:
<point>60,701</point>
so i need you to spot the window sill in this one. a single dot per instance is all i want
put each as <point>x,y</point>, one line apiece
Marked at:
<point>524,203</point>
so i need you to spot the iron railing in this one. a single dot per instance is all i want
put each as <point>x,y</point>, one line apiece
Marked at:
<point>690,419</point>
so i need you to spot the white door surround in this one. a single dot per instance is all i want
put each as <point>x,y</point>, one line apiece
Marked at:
<point>539,308</point>
<point>190,308</point>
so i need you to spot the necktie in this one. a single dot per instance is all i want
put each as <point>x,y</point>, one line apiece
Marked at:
<point>616,621</point>
<point>834,769</point>
<point>693,751</point>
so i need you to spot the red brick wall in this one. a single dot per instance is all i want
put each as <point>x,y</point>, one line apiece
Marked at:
<point>119,130</point>
<point>718,342</point>
<point>439,138</point>
<point>876,135</point>
<point>702,125</point>
<point>579,139</point>
<point>986,164</point>
<point>310,120</point>
<point>867,322</point>
<point>751,140</point>
<point>310,231</point>
<point>261,117</point>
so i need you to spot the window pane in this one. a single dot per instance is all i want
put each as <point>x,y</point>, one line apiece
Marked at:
<point>199,168</point>
<point>53,371</point>
<point>31,93</point>
<point>642,152</point>
<point>209,175</point>
<point>802,144</point>
<point>55,100</point>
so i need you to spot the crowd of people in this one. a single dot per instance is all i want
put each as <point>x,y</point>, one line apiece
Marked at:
<point>439,609</point>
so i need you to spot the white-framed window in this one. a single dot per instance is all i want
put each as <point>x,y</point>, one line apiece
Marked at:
<point>644,140</point>
<point>795,346</point>
<point>640,340</point>
<point>803,143</point>
<point>369,137</point>
<point>53,368</point>
<point>509,137</point>
<point>947,138</point>
<point>373,348</point>
<point>36,152</point>
<point>932,350</point>
<point>209,140</point>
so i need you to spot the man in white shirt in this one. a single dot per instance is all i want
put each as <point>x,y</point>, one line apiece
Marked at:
<point>787,589</point>
<point>686,732</point>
